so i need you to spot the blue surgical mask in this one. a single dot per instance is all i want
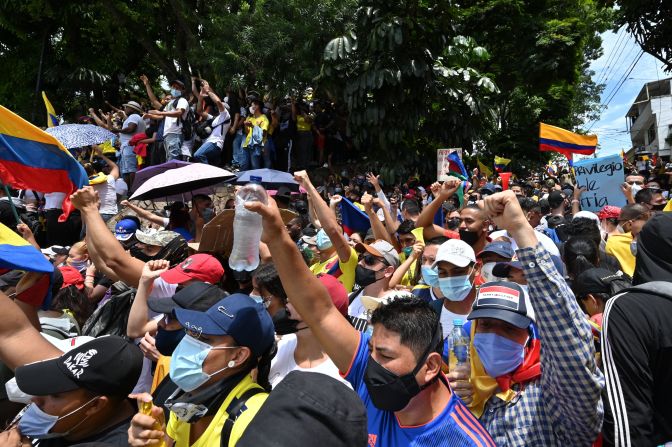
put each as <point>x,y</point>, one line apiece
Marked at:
<point>175,93</point>
<point>429,275</point>
<point>258,298</point>
<point>186,364</point>
<point>35,423</point>
<point>455,288</point>
<point>498,354</point>
<point>322,241</point>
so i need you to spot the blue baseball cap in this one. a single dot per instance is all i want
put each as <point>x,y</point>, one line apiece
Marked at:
<point>502,269</point>
<point>125,229</point>
<point>238,316</point>
<point>501,248</point>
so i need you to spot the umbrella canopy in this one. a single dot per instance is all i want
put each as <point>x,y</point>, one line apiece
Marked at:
<point>270,178</point>
<point>150,171</point>
<point>185,179</point>
<point>79,135</point>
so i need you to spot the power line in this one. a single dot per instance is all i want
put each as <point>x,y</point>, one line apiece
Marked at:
<point>611,62</point>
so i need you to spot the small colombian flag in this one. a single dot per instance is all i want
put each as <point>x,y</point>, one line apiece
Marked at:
<point>52,119</point>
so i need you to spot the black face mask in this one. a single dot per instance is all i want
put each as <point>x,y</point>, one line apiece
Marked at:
<point>166,341</point>
<point>453,223</point>
<point>470,237</point>
<point>660,207</point>
<point>365,277</point>
<point>391,392</point>
<point>283,324</point>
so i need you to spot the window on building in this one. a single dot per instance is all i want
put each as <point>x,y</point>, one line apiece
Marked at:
<point>651,134</point>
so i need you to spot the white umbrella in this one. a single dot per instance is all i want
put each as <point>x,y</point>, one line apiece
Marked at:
<point>79,135</point>
<point>181,180</point>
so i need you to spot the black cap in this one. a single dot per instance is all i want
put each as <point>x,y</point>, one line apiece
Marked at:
<point>555,199</point>
<point>595,280</point>
<point>178,82</point>
<point>196,296</point>
<point>109,366</point>
<point>335,414</point>
<point>503,300</point>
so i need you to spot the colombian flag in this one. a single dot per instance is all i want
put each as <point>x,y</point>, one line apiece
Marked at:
<point>555,139</point>
<point>500,163</point>
<point>52,119</point>
<point>32,159</point>
<point>352,218</point>
<point>484,169</point>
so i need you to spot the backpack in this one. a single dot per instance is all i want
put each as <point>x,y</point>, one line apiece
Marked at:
<point>204,129</point>
<point>188,123</point>
<point>112,317</point>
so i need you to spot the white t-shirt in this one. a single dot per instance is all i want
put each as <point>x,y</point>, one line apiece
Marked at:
<point>121,187</point>
<point>447,318</point>
<point>136,119</point>
<point>174,124</point>
<point>219,129</point>
<point>357,309</point>
<point>108,196</point>
<point>283,363</point>
<point>53,200</point>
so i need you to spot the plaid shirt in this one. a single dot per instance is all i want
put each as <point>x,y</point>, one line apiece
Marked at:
<point>563,407</point>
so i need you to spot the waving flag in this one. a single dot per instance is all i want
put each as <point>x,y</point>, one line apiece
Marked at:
<point>484,169</point>
<point>352,218</point>
<point>500,163</point>
<point>32,159</point>
<point>456,167</point>
<point>555,139</point>
<point>52,119</point>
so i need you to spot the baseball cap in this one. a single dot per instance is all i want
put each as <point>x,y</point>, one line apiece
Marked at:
<point>500,248</point>
<point>380,249</point>
<point>337,292</point>
<point>488,188</point>
<point>238,316</point>
<point>595,280</point>
<point>609,212</point>
<point>310,240</point>
<point>503,300</point>
<point>456,252</point>
<point>178,82</point>
<point>555,199</point>
<point>201,266</point>
<point>56,250</point>
<point>125,229</point>
<point>502,269</point>
<point>108,365</point>
<point>333,411</point>
<point>587,215</point>
<point>159,238</point>
<point>196,296</point>
<point>71,277</point>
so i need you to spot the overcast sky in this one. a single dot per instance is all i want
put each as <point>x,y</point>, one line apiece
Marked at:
<point>620,51</point>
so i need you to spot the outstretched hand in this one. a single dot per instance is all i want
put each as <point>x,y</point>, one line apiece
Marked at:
<point>85,197</point>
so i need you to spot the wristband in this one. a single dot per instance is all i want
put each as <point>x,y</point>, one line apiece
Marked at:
<point>576,201</point>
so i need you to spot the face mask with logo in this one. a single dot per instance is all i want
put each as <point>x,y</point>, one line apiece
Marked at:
<point>166,341</point>
<point>456,288</point>
<point>470,237</point>
<point>35,423</point>
<point>498,354</point>
<point>175,93</point>
<point>390,391</point>
<point>429,275</point>
<point>186,365</point>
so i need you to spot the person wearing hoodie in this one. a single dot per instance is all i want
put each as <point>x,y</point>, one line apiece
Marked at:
<point>637,346</point>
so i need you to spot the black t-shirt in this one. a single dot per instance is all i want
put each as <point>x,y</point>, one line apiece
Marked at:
<point>117,435</point>
<point>6,214</point>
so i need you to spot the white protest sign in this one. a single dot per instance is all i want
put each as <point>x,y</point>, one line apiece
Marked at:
<point>442,164</point>
<point>602,178</point>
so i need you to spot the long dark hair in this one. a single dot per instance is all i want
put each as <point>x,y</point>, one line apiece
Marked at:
<point>74,300</point>
<point>580,254</point>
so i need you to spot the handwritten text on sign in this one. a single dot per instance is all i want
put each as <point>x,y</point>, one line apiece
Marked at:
<point>442,164</point>
<point>602,178</point>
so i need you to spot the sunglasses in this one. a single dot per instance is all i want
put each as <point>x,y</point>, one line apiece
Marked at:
<point>371,260</point>
<point>635,183</point>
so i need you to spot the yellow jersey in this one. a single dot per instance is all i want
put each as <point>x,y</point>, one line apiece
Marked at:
<point>302,125</point>
<point>260,121</point>
<point>344,272</point>
<point>179,430</point>
<point>618,245</point>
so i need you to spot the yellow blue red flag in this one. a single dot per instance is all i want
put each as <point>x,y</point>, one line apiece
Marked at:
<point>484,169</point>
<point>555,139</point>
<point>52,119</point>
<point>30,158</point>
<point>500,163</point>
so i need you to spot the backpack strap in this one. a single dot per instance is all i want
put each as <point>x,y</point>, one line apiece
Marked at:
<point>234,410</point>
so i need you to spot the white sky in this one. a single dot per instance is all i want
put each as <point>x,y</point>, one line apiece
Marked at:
<point>620,50</point>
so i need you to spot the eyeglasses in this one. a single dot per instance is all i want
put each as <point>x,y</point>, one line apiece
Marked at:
<point>371,260</point>
<point>634,182</point>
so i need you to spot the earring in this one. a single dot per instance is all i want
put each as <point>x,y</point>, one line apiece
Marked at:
<point>231,364</point>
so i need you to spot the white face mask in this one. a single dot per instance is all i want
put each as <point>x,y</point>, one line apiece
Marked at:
<point>486,272</point>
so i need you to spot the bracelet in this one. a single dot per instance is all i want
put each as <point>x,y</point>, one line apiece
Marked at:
<point>576,201</point>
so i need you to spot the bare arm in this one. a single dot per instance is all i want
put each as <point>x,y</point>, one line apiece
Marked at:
<point>139,322</point>
<point>441,194</point>
<point>403,268</point>
<point>376,225</point>
<point>144,214</point>
<point>117,264</point>
<point>576,199</point>
<point>150,93</point>
<point>308,295</point>
<point>99,122</point>
<point>114,169</point>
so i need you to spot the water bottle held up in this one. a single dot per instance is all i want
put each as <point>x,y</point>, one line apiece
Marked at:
<point>247,228</point>
<point>459,346</point>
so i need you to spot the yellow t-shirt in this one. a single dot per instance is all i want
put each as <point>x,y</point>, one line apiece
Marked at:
<point>407,279</point>
<point>260,121</point>
<point>618,245</point>
<point>344,272</point>
<point>302,125</point>
<point>179,431</point>
<point>668,207</point>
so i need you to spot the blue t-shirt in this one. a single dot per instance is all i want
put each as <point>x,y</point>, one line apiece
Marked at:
<point>455,426</point>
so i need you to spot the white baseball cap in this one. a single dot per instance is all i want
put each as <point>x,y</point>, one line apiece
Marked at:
<point>456,252</point>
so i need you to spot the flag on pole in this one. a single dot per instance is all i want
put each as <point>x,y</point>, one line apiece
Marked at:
<point>555,139</point>
<point>30,158</point>
<point>52,119</point>
<point>352,218</point>
<point>484,169</point>
<point>456,167</point>
<point>500,163</point>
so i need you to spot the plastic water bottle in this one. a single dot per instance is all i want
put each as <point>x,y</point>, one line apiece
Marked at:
<point>247,229</point>
<point>458,358</point>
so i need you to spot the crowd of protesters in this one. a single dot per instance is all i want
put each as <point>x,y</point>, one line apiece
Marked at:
<point>339,337</point>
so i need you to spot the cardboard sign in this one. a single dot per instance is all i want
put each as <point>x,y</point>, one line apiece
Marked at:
<point>602,178</point>
<point>442,165</point>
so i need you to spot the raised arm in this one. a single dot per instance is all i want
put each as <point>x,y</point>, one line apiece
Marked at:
<point>571,383</point>
<point>139,322</point>
<point>376,225</point>
<point>306,292</point>
<point>144,214</point>
<point>114,169</point>
<point>441,192</point>
<point>112,260</point>
<point>150,93</point>
<point>576,198</point>
<point>326,216</point>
